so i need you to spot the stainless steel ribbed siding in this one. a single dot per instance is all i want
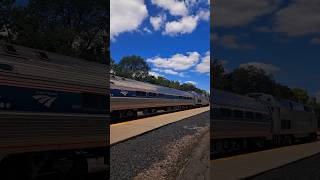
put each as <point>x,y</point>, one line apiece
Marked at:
<point>37,131</point>
<point>48,131</point>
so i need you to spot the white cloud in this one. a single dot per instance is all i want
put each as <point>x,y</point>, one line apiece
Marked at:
<point>268,68</point>
<point>231,41</point>
<point>185,25</point>
<point>204,65</point>
<point>299,18</point>
<point>315,40</point>
<point>175,7</point>
<point>191,82</point>
<point>176,62</point>
<point>180,64</point>
<point>231,13</point>
<point>188,20</point>
<point>204,15</point>
<point>126,16</point>
<point>169,71</point>
<point>154,74</point>
<point>147,30</point>
<point>157,21</point>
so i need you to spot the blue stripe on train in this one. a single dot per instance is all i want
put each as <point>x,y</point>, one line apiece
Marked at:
<point>126,93</point>
<point>41,100</point>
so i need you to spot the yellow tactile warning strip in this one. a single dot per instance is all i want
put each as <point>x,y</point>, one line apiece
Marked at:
<point>126,130</point>
<point>246,165</point>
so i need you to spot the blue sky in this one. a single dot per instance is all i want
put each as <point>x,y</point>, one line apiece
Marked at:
<point>172,36</point>
<point>282,37</point>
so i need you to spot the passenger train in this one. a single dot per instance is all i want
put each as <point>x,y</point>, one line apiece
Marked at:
<point>256,120</point>
<point>53,109</point>
<point>130,96</point>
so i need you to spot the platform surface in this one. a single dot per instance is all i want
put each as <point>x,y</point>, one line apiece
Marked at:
<point>126,130</point>
<point>246,165</point>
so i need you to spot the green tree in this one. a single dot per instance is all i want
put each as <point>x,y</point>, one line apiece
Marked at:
<point>247,80</point>
<point>72,27</point>
<point>217,74</point>
<point>113,66</point>
<point>252,79</point>
<point>300,95</point>
<point>133,67</point>
<point>6,12</point>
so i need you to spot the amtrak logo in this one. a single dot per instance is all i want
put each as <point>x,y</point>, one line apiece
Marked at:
<point>45,100</point>
<point>124,92</point>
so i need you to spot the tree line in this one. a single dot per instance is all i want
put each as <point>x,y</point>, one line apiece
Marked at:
<point>252,79</point>
<point>135,67</point>
<point>77,28</point>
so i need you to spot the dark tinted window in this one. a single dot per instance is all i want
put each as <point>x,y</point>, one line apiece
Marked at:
<point>6,67</point>
<point>259,116</point>
<point>285,124</point>
<point>94,102</point>
<point>249,115</point>
<point>152,94</point>
<point>141,93</point>
<point>225,112</point>
<point>238,114</point>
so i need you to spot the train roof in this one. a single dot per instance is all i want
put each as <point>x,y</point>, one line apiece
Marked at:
<point>224,98</point>
<point>33,63</point>
<point>285,103</point>
<point>130,84</point>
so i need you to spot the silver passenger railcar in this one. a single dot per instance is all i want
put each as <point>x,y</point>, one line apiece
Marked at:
<point>200,99</point>
<point>290,120</point>
<point>51,107</point>
<point>130,96</point>
<point>237,122</point>
<point>251,121</point>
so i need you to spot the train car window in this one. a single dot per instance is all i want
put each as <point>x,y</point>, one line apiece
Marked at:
<point>225,112</point>
<point>249,115</point>
<point>291,105</point>
<point>272,109</point>
<point>259,116</point>
<point>141,93</point>
<point>6,67</point>
<point>152,94</point>
<point>94,102</point>
<point>285,124</point>
<point>238,113</point>
<point>216,112</point>
<point>307,109</point>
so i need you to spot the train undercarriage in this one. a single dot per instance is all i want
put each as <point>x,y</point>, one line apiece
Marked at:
<point>69,164</point>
